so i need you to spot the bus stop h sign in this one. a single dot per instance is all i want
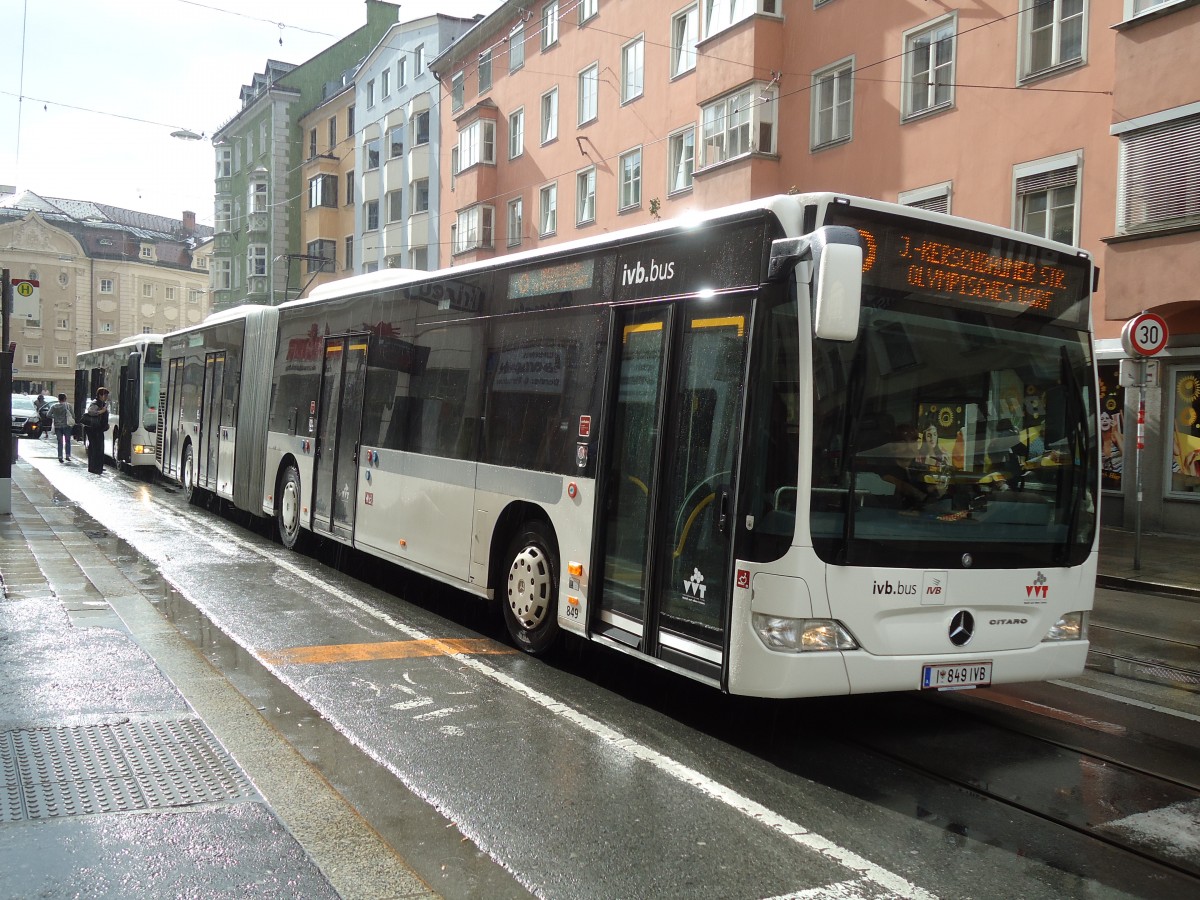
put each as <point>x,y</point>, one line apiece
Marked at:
<point>1144,335</point>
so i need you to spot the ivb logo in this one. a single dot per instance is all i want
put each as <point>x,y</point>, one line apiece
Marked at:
<point>639,274</point>
<point>1039,590</point>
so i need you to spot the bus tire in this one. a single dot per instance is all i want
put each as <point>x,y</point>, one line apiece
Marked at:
<point>529,589</point>
<point>287,513</point>
<point>187,474</point>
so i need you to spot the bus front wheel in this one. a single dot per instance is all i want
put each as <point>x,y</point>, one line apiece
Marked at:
<point>187,474</point>
<point>529,593</point>
<point>288,512</point>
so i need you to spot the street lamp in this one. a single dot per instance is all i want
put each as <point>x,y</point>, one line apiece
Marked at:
<point>186,134</point>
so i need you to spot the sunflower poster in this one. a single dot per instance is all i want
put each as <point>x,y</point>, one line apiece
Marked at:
<point>1185,468</point>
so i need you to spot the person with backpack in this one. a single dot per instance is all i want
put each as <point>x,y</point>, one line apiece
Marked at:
<point>63,417</point>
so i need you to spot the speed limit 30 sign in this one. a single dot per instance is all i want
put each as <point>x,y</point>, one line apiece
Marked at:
<point>1144,335</point>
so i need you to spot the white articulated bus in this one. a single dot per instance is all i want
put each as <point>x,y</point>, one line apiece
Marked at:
<point>808,445</point>
<point>131,370</point>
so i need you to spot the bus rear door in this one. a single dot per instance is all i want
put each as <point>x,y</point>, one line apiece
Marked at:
<point>207,456</point>
<point>665,545</point>
<point>339,426</point>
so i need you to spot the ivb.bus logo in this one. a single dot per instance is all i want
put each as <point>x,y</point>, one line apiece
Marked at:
<point>640,275</point>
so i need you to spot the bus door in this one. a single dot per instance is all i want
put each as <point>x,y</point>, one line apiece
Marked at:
<point>339,423</point>
<point>666,541</point>
<point>207,456</point>
<point>170,411</point>
<point>128,408</point>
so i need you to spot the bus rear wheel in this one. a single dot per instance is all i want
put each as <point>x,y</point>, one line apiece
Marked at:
<point>287,514</point>
<point>529,592</point>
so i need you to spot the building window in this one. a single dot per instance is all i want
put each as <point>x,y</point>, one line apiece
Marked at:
<point>1051,34</point>
<point>350,120</point>
<point>385,82</point>
<point>833,104</point>
<point>147,290</point>
<point>1185,402</point>
<point>193,296</point>
<point>350,187</point>
<point>395,141</point>
<point>629,168</point>
<point>224,215</point>
<point>935,198</point>
<point>402,71</point>
<point>485,70</point>
<point>224,162</point>
<point>258,196</point>
<point>419,258</point>
<point>323,191</point>
<point>585,196</point>
<point>515,218</point>
<point>685,31</point>
<point>549,24</point>
<point>420,195</point>
<point>371,215</point>
<point>548,219</point>
<point>720,14</point>
<point>63,325</point>
<point>477,144</point>
<point>633,67</point>
<point>681,157</point>
<point>1045,197</point>
<point>106,327</point>
<point>312,143</point>
<point>549,116</point>
<point>516,48</point>
<point>170,293</point>
<point>348,263</point>
<point>395,205</point>
<point>929,66</point>
<point>420,125</point>
<point>370,93</point>
<point>588,9</point>
<point>458,91</point>
<point>589,84</point>
<point>371,155</point>
<point>516,133</point>
<point>1157,159</point>
<point>419,59</point>
<point>147,252</point>
<point>731,124</point>
<point>332,133</point>
<point>221,278</point>
<point>321,256</point>
<point>62,360</point>
<point>33,359</point>
<point>256,259</point>
<point>106,286</point>
<point>474,229</point>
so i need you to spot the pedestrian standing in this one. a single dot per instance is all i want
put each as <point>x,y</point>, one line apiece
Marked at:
<point>63,417</point>
<point>95,423</point>
<point>42,405</point>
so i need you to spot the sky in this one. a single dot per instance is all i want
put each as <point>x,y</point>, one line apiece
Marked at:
<point>90,90</point>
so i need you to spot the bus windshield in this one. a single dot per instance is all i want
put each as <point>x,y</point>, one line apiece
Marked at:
<point>941,432</point>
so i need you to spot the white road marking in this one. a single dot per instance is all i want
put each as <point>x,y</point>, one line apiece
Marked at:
<point>1142,704</point>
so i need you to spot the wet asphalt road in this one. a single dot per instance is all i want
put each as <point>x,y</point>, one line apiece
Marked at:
<point>493,774</point>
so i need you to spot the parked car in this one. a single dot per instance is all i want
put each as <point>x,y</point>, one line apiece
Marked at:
<point>26,422</point>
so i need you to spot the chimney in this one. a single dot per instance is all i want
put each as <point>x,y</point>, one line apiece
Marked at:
<point>189,222</point>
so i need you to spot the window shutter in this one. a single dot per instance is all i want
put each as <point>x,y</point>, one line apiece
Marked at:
<point>1045,181</point>
<point>1160,176</point>
<point>939,203</point>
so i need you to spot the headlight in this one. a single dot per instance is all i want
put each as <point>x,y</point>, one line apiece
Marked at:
<point>801,635</point>
<point>1071,626</point>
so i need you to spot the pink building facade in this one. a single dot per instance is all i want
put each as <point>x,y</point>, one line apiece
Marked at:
<point>1074,119</point>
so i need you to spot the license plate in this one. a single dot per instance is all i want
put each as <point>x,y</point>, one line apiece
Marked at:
<point>956,677</point>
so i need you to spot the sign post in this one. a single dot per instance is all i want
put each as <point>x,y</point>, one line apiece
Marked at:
<point>1142,337</point>
<point>6,366</point>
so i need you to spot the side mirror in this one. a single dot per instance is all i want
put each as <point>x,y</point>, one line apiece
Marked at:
<point>834,278</point>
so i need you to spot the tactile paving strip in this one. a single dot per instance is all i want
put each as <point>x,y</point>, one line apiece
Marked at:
<point>114,767</point>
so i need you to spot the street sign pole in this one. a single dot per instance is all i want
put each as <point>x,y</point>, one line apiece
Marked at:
<point>1142,337</point>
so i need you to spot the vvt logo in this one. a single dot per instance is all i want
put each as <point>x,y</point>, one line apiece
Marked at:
<point>694,587</point>
<point>1039,588</point>
<point>639,275</point>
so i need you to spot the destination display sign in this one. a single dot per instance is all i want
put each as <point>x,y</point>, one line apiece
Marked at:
<point>966,267</point>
